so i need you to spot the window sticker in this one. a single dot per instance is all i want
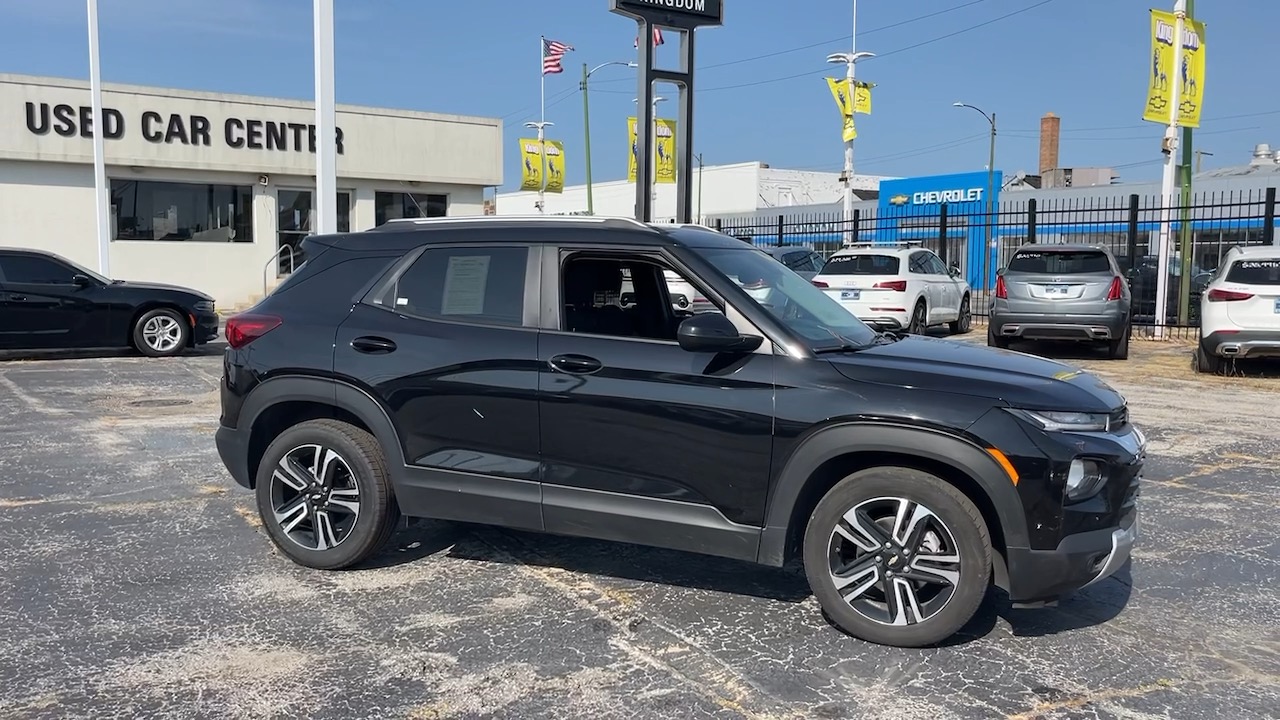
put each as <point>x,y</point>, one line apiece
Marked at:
<point>464,285</point>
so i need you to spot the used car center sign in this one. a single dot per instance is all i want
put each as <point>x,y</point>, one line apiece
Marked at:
<point>693,12</point>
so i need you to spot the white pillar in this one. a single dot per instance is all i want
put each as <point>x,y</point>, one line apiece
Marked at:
<point>1167,181</point>
<point>326,199</point>
<point>102,200</point>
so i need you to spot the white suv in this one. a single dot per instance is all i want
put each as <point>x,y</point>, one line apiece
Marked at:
<point>1240,308</point>
<point>895,288</point>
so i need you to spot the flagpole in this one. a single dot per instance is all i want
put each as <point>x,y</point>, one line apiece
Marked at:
<point>542,123</point>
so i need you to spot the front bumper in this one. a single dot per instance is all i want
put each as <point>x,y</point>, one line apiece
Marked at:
<point>1029,326</point>
<point>1243,344</point>
<point>204,327</point>
<point>1078,561</point>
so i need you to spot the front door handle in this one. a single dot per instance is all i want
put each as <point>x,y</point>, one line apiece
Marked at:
<point>575,364</point>
<point>370,345</point>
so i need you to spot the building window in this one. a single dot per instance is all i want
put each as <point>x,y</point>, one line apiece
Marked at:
<point>146,210</point>
<point>295,219</point>
<point>473,285</point>
<point>396,205</point>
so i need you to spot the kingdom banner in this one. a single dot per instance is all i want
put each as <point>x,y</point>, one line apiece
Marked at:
<point>1190,76</point>
<point>844,104</point>
<point>862,97</point>
<point>555,166</point>
<point>530,165</point>
<point>664,150</point>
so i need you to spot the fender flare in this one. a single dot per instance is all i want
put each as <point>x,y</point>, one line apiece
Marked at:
<point>325,391</point>
<point>933,445</point>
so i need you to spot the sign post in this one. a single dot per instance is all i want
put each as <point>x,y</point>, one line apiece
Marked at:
<point>685,16</point>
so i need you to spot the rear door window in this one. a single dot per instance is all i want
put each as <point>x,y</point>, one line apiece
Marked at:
<point>861,265</point>
<point>1265,271</point>
<point>475,284</point>
<point>1049,262</point>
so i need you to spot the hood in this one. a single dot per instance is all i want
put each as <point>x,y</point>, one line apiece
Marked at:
<point>948,366</point>
<point>133,285</point>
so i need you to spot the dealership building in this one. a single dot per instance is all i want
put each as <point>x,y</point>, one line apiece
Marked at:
<point>214,191</point>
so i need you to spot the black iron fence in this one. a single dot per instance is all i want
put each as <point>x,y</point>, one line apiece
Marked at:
<point>1198,234</point>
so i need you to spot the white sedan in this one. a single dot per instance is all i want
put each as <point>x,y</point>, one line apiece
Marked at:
<point>891,287</point>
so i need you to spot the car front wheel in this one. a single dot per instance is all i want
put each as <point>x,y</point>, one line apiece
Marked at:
<point>897,556</point>
<point>161,333</point>
<point>324,495</point>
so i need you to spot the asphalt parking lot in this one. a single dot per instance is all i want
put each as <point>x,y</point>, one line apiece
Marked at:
<point>137,582</point>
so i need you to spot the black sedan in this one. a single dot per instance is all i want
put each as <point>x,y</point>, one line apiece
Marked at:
<point>48,302</point>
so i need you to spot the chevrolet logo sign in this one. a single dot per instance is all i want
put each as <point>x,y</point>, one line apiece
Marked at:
<point>899,200</point>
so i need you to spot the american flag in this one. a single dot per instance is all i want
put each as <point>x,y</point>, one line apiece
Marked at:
<point>657,38</point>
<point>552,52</point>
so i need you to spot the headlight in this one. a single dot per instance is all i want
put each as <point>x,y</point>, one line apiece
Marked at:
<point>1084,479</point>
<point>1065,421</point>
<point>204,306</point>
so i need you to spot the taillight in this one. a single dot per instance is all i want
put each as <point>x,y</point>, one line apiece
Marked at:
<point>1002,292</point>
<point>894,285</point>
<point>1116,289</point>
<point>819,283</point>
<point>1228,296</point>
<point>244,329</point>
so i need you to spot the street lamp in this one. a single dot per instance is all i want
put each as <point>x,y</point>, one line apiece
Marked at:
<point>653,188</point>
<point>849,59</point>
<point>586,122</point>
<point>541,127</point>
<point>990,208</point>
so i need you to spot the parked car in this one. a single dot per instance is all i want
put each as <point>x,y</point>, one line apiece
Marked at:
<point>482,370</point>
<point>800,259</point>
<point>49,302</point>
<point>895,288</point>
<point>1240,310</point>
<point>1061,292</point>
<point>1142,287</point>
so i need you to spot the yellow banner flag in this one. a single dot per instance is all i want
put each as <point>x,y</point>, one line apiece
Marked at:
<point>1189,77</point>
<point>862,97</point>
<point>555,166</point>
<point>664,150</point>
<point>840,92</point>
<point>530,164</point>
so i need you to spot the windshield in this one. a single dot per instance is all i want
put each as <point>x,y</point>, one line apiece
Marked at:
<point>1060,262</point>
<point>861,265</point>
<point>804,309</point>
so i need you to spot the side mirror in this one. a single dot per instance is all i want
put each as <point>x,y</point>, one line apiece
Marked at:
<point>714,333</point>
<point>954,271</point>
<point>1000,270</point>
<point>82,281</point>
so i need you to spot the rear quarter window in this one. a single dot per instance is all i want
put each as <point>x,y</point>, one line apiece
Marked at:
<point>861,265</point>
<point>1050,262</point>
<point>1263,271</point>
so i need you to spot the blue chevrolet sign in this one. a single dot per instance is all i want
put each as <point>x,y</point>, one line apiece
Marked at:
<point>919,198</point>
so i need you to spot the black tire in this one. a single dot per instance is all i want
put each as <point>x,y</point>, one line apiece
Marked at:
<point>964,323</point>
<point>1118,349</point>
<point>358,537</point>
<point>994,340</point>
<point>960,530</point>
<point>161,333</point>
<point>1205,362</point>
<point>919,323</point>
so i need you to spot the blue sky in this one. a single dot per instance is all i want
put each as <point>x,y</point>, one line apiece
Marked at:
<point>1085,60</point>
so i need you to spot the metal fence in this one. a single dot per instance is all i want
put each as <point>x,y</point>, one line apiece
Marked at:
<point>1200,233</point>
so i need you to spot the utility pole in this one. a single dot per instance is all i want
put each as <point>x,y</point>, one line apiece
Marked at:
<point>850,59</point>
<point>989,201</point>
<point>1185,236</point>
<point>586,123</point>
<point>699,158</point>
<point>1169,146</point>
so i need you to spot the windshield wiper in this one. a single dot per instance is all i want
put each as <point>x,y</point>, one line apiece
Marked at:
<point>843,347</point>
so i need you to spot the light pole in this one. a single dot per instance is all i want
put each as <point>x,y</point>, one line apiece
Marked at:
<point>542,157</point>
<point>988,204</point>
<point>101,200</point>
<point>586,122</point>
<point>653,189</point>
<point>849,59</point>
<point>699,157</point>
<point>326,200</point>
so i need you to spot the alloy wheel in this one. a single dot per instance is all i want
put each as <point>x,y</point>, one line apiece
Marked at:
<point>918,325</point>
<point>314,497</point>
<point>966,316</point>
<point>894,561</point>
<point>162,333</point>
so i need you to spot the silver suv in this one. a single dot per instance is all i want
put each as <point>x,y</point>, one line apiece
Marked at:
<point>1062,292</point>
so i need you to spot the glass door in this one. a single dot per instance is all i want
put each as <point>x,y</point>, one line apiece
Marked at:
<point>296,217</point>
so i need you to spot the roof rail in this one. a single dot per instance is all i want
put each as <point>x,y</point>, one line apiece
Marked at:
<point>891,243</point>
<point>517,218</point>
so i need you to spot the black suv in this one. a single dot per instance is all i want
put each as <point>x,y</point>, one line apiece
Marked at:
<point>486,370</point>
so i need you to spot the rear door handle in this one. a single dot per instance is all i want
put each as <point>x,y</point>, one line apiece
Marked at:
<point>373,345</point>
<point>575,364</point>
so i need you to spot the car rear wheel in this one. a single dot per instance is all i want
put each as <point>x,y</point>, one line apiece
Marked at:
<point>324,495</point>
<point>994,340</point>
<point>965,320</point>
<point>897,556</point>
<point>919,324</point>
<point>1206,362</point>
<point>1118,349</point>
<point>161,333</point>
